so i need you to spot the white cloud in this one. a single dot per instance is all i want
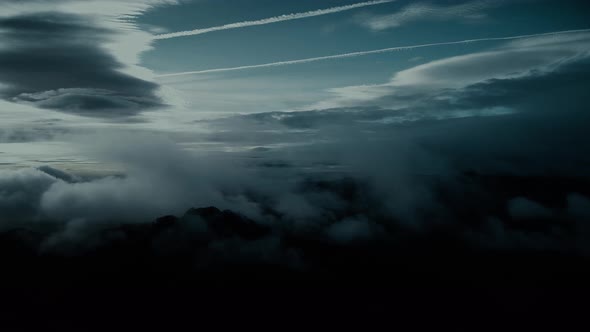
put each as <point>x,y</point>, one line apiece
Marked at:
<point>514,59</point>
<point>364,53</point>
<point>473,10</point>
<point>271,20</point>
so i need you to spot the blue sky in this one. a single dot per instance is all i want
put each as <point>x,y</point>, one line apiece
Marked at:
<point>358,26</point>
<point>95,88</point>
<point>120,89</point>
<point>299,86</point>
<point>331,34</point>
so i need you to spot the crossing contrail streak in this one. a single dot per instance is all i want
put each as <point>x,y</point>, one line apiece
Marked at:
<point>282,18</point>
<point>362,53</point>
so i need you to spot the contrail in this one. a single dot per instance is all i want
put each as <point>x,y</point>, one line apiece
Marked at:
<point>357,54</point>
<point>282,18</point>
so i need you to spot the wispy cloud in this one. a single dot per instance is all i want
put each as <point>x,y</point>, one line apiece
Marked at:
<point>362,53</point>
<point>425,11</point>
<point>271,20</point>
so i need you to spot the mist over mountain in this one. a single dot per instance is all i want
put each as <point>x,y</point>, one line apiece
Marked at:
<point>170,162</point>
<point>324,228</point>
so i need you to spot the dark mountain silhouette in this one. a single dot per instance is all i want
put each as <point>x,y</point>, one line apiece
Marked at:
<point>224,268</point>
<point>225,248</point>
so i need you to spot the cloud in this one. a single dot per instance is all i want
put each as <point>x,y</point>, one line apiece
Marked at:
<point>271,20</point>
<point>127,9</point>
<point>349,182</point>
<point>59,174</point>
<point>46,132</point>
<point>21,194</point>
<point>91,102</point>
<point>352,230</point>
<point>70,59</point>
<point>416,12</point>
<point>495,126</point>
<point>457,146</point>
<point>363,53</point>
<point>516,58</point>
<point>486,113</point>
<point>578,207</point>
<point>523,208</point>
<point>173,180</point>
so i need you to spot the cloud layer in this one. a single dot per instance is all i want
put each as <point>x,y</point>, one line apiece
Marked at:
<point>355,174</point>
<point>75,69</point>
<point>488,148</point>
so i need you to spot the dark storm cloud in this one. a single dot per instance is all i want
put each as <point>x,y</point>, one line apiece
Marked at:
<point>57,61</point>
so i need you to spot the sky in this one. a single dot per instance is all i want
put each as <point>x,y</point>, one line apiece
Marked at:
<point>109,105</point>
<point>132,31</point>
<point>299,87</point>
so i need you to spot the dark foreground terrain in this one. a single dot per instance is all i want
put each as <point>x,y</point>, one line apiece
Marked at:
<point>218,267</point>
